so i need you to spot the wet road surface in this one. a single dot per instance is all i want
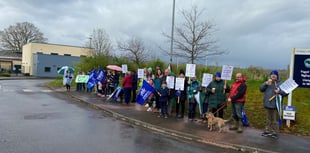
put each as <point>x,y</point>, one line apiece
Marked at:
<point>34,119</point>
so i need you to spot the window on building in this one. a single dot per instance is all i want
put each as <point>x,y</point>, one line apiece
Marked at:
<point>67,54</point>
<point>47,69</point>
<point>54,53</point>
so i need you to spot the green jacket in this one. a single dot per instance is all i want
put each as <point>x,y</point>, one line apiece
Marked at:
<point>219,97</point>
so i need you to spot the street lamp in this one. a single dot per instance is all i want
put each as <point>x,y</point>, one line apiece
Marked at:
<point>172,31</point>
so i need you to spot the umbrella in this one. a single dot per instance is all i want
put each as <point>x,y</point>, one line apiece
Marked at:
<point>63,69</point>
<point>114,67</point>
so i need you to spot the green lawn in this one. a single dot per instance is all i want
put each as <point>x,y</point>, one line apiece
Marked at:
<point>256,114</point>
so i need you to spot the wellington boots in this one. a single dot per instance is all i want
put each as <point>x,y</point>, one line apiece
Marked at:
<point>234,126</point>
<point>240,125</point>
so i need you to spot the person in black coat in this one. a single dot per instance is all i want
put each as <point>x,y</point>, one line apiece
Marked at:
<point>181,97</point>
<point>134,86</point>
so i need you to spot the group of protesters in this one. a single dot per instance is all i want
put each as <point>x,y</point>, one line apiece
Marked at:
<point>212,98</point>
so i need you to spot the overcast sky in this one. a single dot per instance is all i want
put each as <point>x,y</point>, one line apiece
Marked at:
<point>258,33</point>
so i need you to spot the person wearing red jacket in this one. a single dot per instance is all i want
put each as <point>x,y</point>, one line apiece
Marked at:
<point>237,96</point>
<point>127,85</point>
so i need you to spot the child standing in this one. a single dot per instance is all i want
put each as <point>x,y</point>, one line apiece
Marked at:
<point>163,99</point>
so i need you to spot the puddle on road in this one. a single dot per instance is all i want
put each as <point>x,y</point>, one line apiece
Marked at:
<point>40,116</point>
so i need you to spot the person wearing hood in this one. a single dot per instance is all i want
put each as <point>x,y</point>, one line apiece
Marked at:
<point>270,88</point>
<point>237,96</point>
<point>217,90</point>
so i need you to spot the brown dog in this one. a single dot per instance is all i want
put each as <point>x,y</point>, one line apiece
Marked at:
<point>215,121</point>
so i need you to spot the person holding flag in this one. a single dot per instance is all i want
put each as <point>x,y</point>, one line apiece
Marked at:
<point>272,94</point>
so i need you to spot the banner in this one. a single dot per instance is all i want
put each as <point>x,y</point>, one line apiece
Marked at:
<point>206,79</point>
<point>101,75</point>
<point>81,78</point>
<point>92,81</point>
<point>145,91</point>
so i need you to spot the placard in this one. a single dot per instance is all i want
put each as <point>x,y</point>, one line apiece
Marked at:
<point>190,70</point>
<point>206,79</point>
<point>81,78</point>
<point>179,84</point>
<point>289,85</point>
<point>170,82</point>
<point>140,73</point>
<point>227,72</point>
<point>124,68</point>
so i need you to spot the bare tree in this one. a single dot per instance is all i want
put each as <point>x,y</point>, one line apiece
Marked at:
<point>101,43</point>
<point>136,50</point>
<point>16,36</point>
<point>193,38</point>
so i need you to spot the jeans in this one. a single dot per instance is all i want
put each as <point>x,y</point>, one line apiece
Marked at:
<point>237,110</point>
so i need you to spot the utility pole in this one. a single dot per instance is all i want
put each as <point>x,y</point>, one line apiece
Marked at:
<point>172,31</point>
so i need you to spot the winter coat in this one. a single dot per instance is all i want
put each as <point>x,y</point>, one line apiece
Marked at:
<point>163,94</point>
<point>193,89</point>
<point>268,91</point>
<point>238,91</point>
<point>127,81</point>
<point>219,97</point>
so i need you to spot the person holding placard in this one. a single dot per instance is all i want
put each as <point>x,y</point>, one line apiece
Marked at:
<point>192,103</point>
<point>217,90</point>
<point>181,97</point>
<point>271,89</point>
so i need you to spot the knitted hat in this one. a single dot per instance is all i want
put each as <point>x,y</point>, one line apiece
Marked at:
<point>275,72</point>
<point>218,74</point>
<point>149,69</point>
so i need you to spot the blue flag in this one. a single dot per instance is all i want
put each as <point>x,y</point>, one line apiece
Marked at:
<point>101,75</point>
<point>118,90</point>
<point>145,91</point>
<point>244,119</point>
<point>92,81</point>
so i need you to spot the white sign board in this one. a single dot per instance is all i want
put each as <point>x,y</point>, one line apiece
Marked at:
<point>124,68</point>
<point>179,84</point>
<point>206,79</point>
<point>227,72</point>
<point>170,82</point>
<point>289,113</point>
<point>140,73</point>
<point>289,85</point>
<point>190,70</point>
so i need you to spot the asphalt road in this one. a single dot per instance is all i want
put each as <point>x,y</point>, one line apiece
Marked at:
<point>34,119</point>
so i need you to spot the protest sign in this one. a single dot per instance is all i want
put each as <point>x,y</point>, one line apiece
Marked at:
<point>140,73</point>
<point>206,79</point>
<point>190,70</point>
<point>179,84</point>
<point>124,68</point>
<point>227,72</point>
<point>170,82</point>
<point>289,85</point>
<point>81,78</point>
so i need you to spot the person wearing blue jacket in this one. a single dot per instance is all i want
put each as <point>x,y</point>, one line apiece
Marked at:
<point>163,99</point>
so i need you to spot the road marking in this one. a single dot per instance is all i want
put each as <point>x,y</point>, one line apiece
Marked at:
<point>47,90</point>
<point>27,90</point>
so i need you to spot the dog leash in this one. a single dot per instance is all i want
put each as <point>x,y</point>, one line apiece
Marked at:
<point>226,102</point>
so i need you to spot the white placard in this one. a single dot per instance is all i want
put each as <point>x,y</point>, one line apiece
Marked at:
<point>140,73</point>
<point>206,79</point>
<point>190,70</point>
<point>289,85</point>
<point>179,84</point>
<point>124,68</point>
<point>170,82</point>
<point>227,72</point>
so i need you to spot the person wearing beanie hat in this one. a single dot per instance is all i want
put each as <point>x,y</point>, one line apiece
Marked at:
<point>217,90</point>
<point>182,72</point>
<point>270,88</point>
